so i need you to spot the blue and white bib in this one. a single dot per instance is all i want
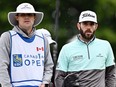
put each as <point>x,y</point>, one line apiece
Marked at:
<point>27,60</point>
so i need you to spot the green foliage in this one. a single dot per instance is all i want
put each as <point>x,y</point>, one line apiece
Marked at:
<point>107,34</point>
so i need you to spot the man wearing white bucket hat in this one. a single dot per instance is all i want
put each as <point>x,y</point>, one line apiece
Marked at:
<point>87,61</point>
<point>25,59</point>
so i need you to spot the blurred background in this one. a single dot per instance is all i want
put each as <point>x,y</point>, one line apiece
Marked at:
<point>61,16</point>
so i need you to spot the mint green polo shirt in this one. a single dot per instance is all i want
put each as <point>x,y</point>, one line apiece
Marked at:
<point>77,56</point>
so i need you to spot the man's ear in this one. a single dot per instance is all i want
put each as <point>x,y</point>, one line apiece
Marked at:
<point>96,26</point>
<point>16,17</point>
<point>78,26</point>
<point>34,17</point>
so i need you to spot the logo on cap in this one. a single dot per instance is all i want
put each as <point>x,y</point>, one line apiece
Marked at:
<point>26,7</point>
<point>88,15</point>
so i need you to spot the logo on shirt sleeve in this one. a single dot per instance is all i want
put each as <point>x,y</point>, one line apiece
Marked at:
<point>17,60</point>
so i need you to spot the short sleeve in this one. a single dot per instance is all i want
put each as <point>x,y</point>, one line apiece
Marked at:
<point>110,56</point>
<point>62,62</point>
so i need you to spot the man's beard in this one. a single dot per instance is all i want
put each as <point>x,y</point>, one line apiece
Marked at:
<point>85,36</point>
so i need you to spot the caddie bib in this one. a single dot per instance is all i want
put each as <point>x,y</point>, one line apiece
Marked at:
<point>27,60</point>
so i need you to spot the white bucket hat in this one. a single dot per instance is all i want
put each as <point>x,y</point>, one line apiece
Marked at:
<point>47,35</point>
<point>25,8</point>
<point>88,16</point>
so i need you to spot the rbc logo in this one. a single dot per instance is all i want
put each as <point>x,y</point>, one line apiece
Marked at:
<point>17,60</point>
